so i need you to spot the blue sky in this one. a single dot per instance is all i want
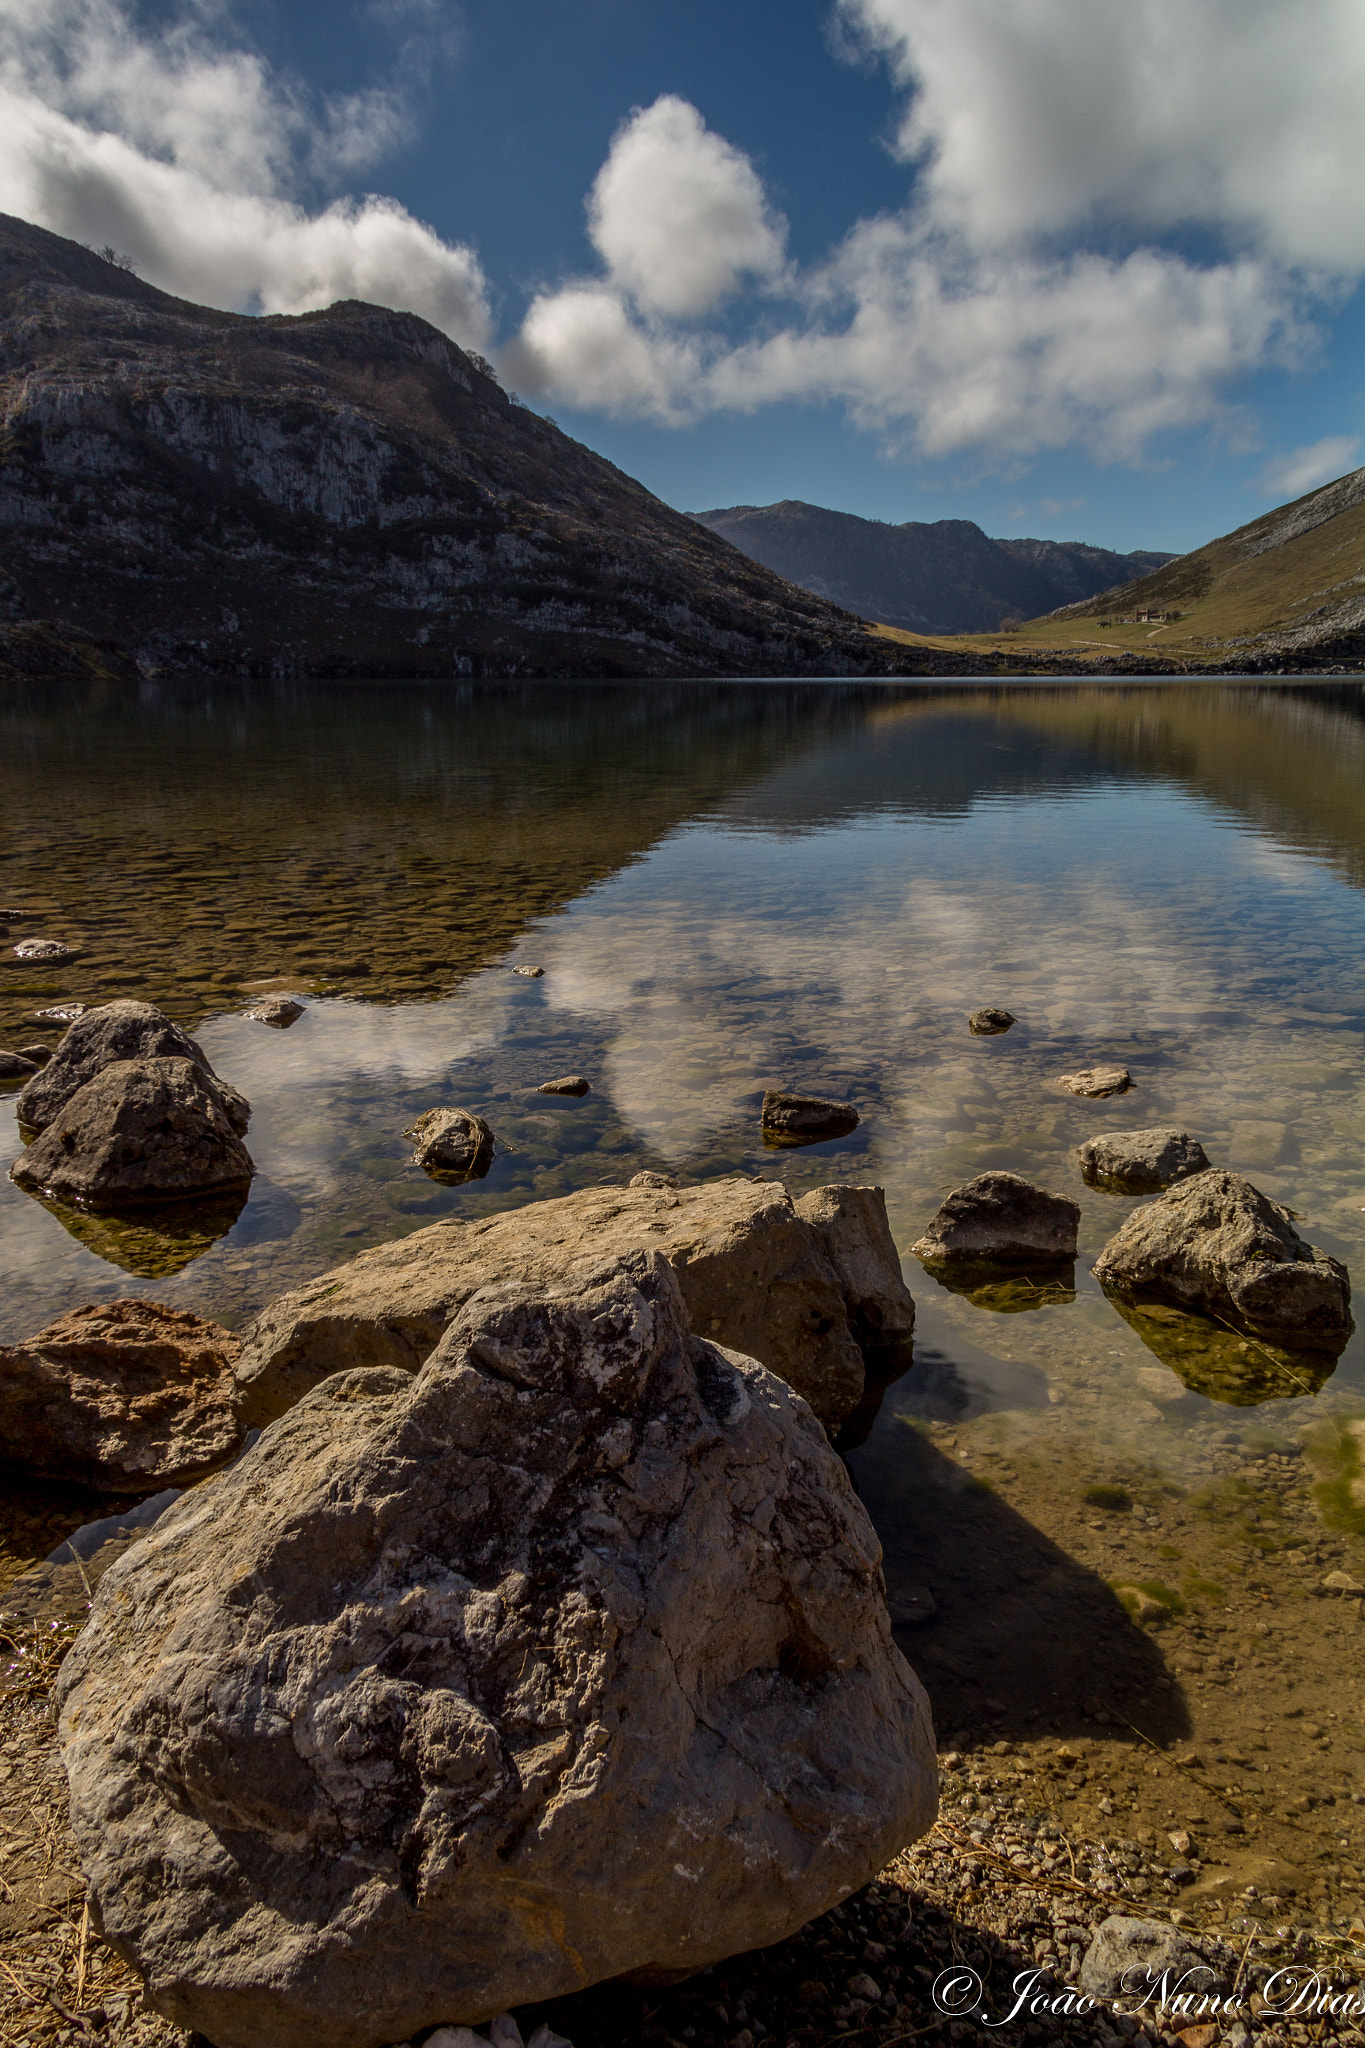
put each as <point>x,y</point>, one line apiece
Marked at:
<point>1079,268</point>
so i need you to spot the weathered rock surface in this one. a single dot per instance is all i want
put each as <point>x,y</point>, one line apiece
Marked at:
<point>568,1084</point>
<point>39,1054</point>
<point>566,1658</point>
<point>453,1143</point>
<point>124,1396</point>
<point>1097,1082</point>
<point>147,1130</point>
<point>805,1119</point>
<point>1141,1162</point>
<point>1126,1962</point>
<point>14,1067</point>
<point>101,1037</point>
<point>50,950</point>
<point>1000,1219</point>
<point>989,1023</point>
<point>1215,1244</point>
<point>281,1011</point>
<point>757,1273</point>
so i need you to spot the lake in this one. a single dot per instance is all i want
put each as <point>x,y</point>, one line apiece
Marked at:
<point>732,887</point>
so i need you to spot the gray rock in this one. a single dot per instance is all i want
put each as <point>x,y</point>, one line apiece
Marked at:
<point>281,1011</point>
<point>39,1054</point>
<point>757,1272</point>
<point>51,951</point>
<point>805,1119</point>
<point>1141,1162</point>
<point>529,973</point>
<point>14,1067</point>
<point>58,1013</point>
<point>1097,1081</point>
<point>452,1144</point>
<point>98,1039</point>
<point>1134,1962</point>
<point>140,1131</point>
<point>564,1659</point>
<point>1000,1219</point>
<point>650,1179</point>
<point>124,1396</point>
<point>1216,1245</point>
<point>989,1023</point>
<point>568,1084</point>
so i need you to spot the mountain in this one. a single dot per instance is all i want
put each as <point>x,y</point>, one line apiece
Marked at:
<point>342,493</point>
<point>941,577</point>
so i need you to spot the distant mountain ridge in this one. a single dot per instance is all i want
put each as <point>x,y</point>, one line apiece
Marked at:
<point>944,576</point>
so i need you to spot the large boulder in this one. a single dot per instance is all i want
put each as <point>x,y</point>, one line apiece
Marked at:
<point>1141,1162</point>
<point>1000,1219</point>
<point>124,1396</point>
<point>140,1131</point>
<point>791,1284</point>
<point>100,1038</point>
<point>1215,1244</point>
<point>567,1657</point>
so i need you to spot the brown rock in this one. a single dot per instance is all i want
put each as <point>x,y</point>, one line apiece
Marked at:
<point>14,1067</point>
<point>1000,1219</point>
<point>565,1658</point>
<point>100,1038</point>
<point>124,1396</point>
<point>756,1273</point>
<point>280,1011</point>
<point>568,1084</point>
<point>452,1144</point>
<point>852,1227</point>
<point>140,1131</point>
<point>39,1054</point>
<point>989,1023</point>
<point>1141,1162</point>
<point>1097,1081</point>
<point>804,1119</point>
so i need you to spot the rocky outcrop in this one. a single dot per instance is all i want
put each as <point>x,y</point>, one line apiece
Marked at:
<point>1097,1082</point>
<point>123,1396</point>
<point>567,1657</point>
<point>804,1119</point>
<point>1141,1162</point>
<point>102,1037</point>
<point>451,1144</point>
<point>1216,1245</point>
<point>140,1131</point>
<point>757,1272</point>
<point>1000,1219</point>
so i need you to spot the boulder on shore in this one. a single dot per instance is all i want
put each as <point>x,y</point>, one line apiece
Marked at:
<point>804,1119</point>
<point>791,1284</point>
<point>564,1659</point>
<point>451,1144</point>
<point>140,1131</point>
<point>1141,1162</point>
<point>101,1037</point>
<point>1215,1244</point>
<point>123,1396</point>
<point>1000,1219</point>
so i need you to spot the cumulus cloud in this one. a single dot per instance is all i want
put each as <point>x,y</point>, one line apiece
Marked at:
<point>191,160</point>
<point>1303,469</point>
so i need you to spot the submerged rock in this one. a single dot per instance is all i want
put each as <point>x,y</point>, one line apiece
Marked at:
<point>103,1037</point>
<point>39,1054</point>
<point>1217,1245</point>
<point>568,1084</point>
<point>146,1130</point>
<point>1141,1162</point>
<point>1097,1082</point>
<point>989,1023</point>
<point>124,1396</point>
<point>787,1283</point>
<point>281,1011</point>
<point>1000,1219</point>
<point>804,1119</point>
<point>452,1144</point>
<point>564,1659</point>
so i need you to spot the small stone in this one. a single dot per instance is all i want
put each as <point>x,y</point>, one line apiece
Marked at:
<point>987,1023</point>
<point>567,1084</point>
<point>911,1607</point>
<point>39,1054</point>
<point>50,950</point>
<point>1342,1582</point>
<point>281,1011</point>
<point>865,1987</point>
<point>812,1992</point>
<point>805,1119</point>
<point>1097,1081</point>
<point>14,1067</point>
<point>1180,1841</point>
<point>529,973</point>
<point>59,1013</point>
<point>1128,1955</point>
<point>452,1142</point>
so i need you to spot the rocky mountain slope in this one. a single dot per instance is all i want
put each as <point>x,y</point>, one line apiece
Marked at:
<point>341,493</point>
<point>943,577</point>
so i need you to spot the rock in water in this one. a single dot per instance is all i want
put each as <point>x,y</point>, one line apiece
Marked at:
<point>125,1396</point>
<point>39,1054</point>
<point>790,1284</point>
<point>1097,1081</point>
<point>281,1011</point>
<point>140,1131</point>
<point>805,1119</point>
<point>1000,1219</point>
<point>14,1067</point>
<point>452,1144</point>
<point>100,1038</point>
<point>1141,1162</point>
<point>566,1658</point>
<point>50,951</point>
<point>989,1023</point>
<point>1215,1244</point>
<point>568,1084</point>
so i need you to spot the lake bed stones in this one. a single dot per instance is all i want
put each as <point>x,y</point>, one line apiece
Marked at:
<point>1097,1082</point>
<point>1141,1162</point>
<point>1000,1219</point>
<point>804,1119</point>
<point>564,1658</point>
<point>452,1144</point>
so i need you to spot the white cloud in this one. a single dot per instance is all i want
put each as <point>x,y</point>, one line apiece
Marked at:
<point>678,216</point>
<point>1303,469</point>
<point>190,159</point>
<point>583,340</point>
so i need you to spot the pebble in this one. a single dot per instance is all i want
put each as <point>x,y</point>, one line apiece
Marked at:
<point>988,1023</point>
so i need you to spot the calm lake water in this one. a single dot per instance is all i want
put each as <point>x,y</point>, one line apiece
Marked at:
<point>733,887</point>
